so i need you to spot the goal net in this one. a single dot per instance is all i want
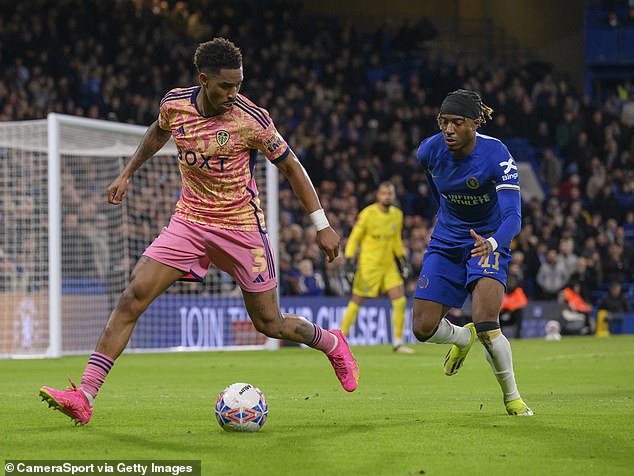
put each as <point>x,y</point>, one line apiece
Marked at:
<point>66,254</point>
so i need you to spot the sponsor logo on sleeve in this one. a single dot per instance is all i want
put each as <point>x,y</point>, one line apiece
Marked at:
<point>273,143</point>
<point>508,166</point>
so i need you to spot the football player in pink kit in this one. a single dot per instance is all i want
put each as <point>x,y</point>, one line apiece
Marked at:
<point>218,220</point>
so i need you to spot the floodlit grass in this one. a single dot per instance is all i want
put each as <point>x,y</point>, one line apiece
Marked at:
<point>405,418</point>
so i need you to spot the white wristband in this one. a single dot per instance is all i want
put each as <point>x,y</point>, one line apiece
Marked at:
<point>493,242</point>
<point>318,217</point>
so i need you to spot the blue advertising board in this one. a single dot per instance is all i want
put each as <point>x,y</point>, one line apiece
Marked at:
<point>209,323</point>
<point>199,322</point>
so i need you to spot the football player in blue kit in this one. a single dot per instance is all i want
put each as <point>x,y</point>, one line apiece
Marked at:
<point>475,180</point>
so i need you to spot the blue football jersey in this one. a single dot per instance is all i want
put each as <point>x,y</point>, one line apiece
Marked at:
<point>466,187</point>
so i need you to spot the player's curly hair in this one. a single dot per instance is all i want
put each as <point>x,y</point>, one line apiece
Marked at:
<point>217,54</point>
<point>485,112</point>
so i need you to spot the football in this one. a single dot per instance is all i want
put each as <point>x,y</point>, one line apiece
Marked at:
<point>241,407</point>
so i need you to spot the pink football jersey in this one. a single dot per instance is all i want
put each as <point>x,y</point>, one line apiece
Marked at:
<point>216,158</point>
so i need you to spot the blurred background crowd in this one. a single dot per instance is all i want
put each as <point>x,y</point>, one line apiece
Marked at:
<point>353,105</point>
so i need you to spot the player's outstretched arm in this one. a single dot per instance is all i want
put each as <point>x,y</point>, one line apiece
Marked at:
<point>153,140</point>
<point>327,238</point>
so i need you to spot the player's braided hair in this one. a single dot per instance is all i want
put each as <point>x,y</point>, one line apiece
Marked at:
<point>470,100</point>
<point>217,54</point>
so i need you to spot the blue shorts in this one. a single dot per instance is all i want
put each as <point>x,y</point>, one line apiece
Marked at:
<point>448,271</point>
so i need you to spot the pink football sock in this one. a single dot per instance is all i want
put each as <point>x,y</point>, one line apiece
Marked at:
<point>96,372</point>
<point>324,340</point>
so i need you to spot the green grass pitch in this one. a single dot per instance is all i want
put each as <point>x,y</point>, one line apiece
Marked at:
<point>405,418</point>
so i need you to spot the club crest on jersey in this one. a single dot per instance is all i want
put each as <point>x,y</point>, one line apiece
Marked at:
<point>423,282</point>
<point>473,183</point>
<point>222,137</point>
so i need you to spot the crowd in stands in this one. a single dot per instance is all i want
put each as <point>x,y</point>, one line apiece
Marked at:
<point>353,106</point>
<point>611,13</point>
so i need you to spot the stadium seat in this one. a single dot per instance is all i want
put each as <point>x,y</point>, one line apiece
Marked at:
<point>602,45</point>
<point>627,50</point>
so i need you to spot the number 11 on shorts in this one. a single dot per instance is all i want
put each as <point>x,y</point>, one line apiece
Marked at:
<point>495,265</point>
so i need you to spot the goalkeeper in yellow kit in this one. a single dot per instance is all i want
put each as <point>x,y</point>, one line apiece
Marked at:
<point>381,262</point>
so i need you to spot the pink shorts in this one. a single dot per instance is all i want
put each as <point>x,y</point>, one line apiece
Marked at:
<point>192,248</point>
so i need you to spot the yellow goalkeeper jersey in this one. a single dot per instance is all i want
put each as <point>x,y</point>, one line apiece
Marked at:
<point>379,235</point>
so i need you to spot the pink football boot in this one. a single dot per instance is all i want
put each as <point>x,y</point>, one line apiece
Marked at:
<point>343,362</point>
<point>71,402</point>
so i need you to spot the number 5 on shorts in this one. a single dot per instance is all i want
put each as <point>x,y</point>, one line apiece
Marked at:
<point>259,260</point>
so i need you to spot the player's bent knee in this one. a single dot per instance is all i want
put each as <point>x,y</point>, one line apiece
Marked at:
<point>131,304</point>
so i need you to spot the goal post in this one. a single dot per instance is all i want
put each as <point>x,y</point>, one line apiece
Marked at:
<point>67,254</point>
<point>54,239</point>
